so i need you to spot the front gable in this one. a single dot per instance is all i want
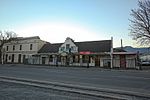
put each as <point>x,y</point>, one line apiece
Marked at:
<point>68,46</point>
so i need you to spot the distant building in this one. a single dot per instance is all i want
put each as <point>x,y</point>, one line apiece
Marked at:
<point>22,49</point>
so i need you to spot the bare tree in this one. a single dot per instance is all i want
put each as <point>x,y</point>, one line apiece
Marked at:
<point>5,37</point>
<point>140,24</point>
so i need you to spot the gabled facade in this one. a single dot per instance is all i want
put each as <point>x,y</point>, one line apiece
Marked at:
<point>20,50</point>
<point>68,46</point>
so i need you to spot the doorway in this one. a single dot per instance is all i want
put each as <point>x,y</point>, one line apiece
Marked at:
<point>24,59</point>
<point>19,58</point>
<point>97,61</point>
<point>12,60</point>
<point>43,60</point>
<point>122,61</point>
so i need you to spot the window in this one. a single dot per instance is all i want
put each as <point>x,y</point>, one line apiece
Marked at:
<point>20,47</point>
<point>13,47</point>
<point>73,48</point>
<point>6,57</point>
<point>77,59</point>
<point>12,60</point>
<point>67,46</point>
<point>7,48</point>
<point>85,59</point>
<point>9,57</point>
<point>31,46</point>
<point>62,48</point>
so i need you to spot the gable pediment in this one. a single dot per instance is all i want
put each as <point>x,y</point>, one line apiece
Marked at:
<point>68,46</point>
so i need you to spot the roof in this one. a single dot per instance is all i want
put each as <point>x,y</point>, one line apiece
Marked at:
<point>94,46</point>
<point>50,48</point>
<point>119,50</point>
<point>124,53</point>
<point>91,46</point>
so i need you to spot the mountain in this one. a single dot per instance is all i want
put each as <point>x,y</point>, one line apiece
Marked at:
<point>140,50</point>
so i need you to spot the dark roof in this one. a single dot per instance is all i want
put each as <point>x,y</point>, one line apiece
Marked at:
<point>92,46</point>
<point>50,48</point>
<point>119,50</point>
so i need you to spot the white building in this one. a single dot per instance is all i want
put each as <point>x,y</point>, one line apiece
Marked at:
<point>20,50</point>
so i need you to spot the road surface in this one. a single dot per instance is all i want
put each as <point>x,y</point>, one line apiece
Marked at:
<point>125,80</point>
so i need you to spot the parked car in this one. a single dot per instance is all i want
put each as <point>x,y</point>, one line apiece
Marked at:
<point>145,62</point>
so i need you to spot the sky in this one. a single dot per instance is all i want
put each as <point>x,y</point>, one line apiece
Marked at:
<point>81,20</point>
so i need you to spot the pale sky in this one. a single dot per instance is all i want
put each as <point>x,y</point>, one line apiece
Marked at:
<point>81,20</point>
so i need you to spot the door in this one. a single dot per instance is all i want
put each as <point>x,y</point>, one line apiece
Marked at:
<point>6,58</point>
<point>43,60</point>
<point>12,60</point>
<point>19,58</point>
<point>122,61</point>
<point>24,59</point>
<point>97,61</point>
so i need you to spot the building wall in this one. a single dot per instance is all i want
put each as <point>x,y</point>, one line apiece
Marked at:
<point>80,61</point>
<point>105,61</point>
<point>116,61</point>
<point>26,49</point>
<point>130,61</point>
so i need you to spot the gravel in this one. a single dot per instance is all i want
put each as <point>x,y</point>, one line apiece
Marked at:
<point>13,91</point>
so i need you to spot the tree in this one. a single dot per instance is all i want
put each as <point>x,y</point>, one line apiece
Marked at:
<point>5,37</point>
<point>140,24</point>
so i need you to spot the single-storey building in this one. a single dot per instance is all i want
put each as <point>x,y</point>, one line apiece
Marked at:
<point>125,60</point>
<point>70,53</point>
<point>88,53</point>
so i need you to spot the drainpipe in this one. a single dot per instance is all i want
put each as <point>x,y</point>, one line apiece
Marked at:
<point>111,53</point>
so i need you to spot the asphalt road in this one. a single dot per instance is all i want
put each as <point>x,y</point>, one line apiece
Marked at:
<point>129,80</point>
<point>13,91</point>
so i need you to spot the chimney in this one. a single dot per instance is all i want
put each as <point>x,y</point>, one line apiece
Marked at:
<point>121,45</point>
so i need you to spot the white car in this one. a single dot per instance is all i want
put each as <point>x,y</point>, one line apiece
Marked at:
<point>145,62</point>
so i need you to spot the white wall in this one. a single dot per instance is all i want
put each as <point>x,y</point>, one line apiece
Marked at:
<point>68,41</point>
<point>102,58</point>
<point>36,45</point>
<point>130,61</point>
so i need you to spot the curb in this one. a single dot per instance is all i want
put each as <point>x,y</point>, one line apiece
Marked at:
<point>81,67</point>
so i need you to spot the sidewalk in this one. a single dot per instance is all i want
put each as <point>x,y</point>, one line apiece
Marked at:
<point>75,67</point>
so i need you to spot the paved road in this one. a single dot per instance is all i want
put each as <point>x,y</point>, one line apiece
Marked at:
<point>131,80</point>
<point>13,91</point>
